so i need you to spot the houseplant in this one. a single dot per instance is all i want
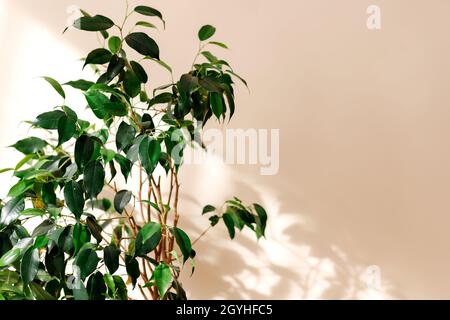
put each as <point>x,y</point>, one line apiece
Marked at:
<point>61,236</point>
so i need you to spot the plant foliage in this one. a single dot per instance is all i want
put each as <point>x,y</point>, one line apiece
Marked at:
<point>66,230</point>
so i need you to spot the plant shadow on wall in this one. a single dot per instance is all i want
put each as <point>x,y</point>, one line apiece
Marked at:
<point>295,261</point>
<point>94,240</point>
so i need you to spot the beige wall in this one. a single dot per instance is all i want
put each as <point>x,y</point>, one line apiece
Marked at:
<point>364,118</point>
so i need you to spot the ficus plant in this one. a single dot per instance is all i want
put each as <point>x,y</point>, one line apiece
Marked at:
<point>67,230</point>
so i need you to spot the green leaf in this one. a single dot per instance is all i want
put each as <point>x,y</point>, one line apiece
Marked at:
<point>143,44</point>
<point>39,293</point>
<point>94,228</point>
<point>121,200</point>
<point>216,104</point>
<point>80,237</point>
<point>219,44</point>
<point>139,71</point>
<point>97,102</point>
<point>98,56</point>
<point>261,220</point>
<point>114,44</point>
<point>9,257</point>
<point>6,170</point>
<point>73,195</point>
<point>109,281</point>
<point>19,188</point>
<point>161,98</point>
<point>208,209</point>
<point>55,84</point>
<point>8,276</point>
<point>125,165</point>
<point>115,67</point>
<point>132,84</point>
<point>33,212</point>
<point>94,178</point>
<point>111,256</point>
<point>49,120</point>
<point>87,261</point>
<point>214,220</point>
<point>228,220</point>
<point>96,23</point>
<point>132,267</point>
<point>30,145</point>
<point>147,239</point>
<point>96,287</point>
<point>66,129</point>
<point>41,242</point>
<point>146,24</point>
<point>43,228</point>
<point>183,242</point>
<point>149,153</point>
<point>206,32</point>
<point>150,12</point>
<point>125,136</point>
<point>121,288</point>
<point>116,109</point>
<point>84,149</point>
<point>163,278</point>
<point>81,84</point>
<point>29,265</point>
<point>11,211</point>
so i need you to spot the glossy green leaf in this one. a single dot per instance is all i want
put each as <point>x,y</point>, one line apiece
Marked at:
<point>49,120</point>
<point>56,85</point>
<point>139,71</point>
<point>9,257</point>
<point>87,261</point>
<point>43,228</point>
<point>115,67</point>
<point>116,109</point>
<point>206,32</point>
<point>121,200</point>
<point>163,279</point>
<point>20,187</point>
<point>96,23</point>
<point>208,208</point>
<point>80,236</point>
<point>219,44</point>
<point>132,267</point>
<point>146,24</point>
<point>94,178</point>
<point>94,228</point>
<point>216,104</point>
<point>84,149</point>
<point>40,293</point>
<point>125,165</point>
<point>98,56</point>
<point>125,136</point>
<point>30,145</point>
<point>73,195</point>
<point>228,220</point>
<point>132,84</point>
<point>11,211</point>
<point>97,102</point>
<point>149,153</point>
<point>143,44</point>
<point>29,265</point>
<point>33,212</point>
<point>261,220</point>
<point>111,256</point>
<point>150,12</point>
<point>114,44</point>
<point>148,239</point>
<point>66,129</point>
<point>81,84</point>
<point>161,98</point>
<point>96,287</point>
<point>183,241</point>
